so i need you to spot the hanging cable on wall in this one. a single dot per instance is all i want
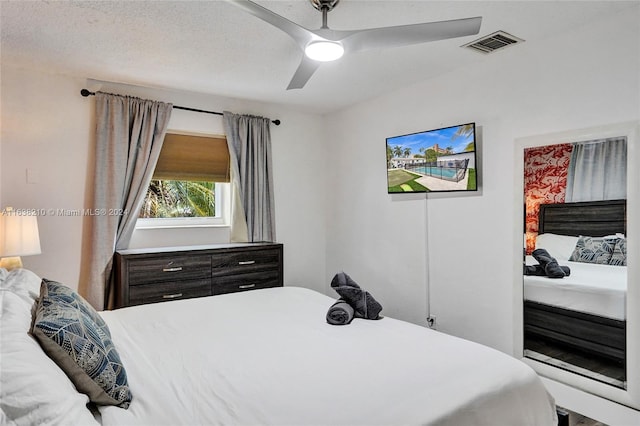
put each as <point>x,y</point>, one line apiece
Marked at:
<point>431,319</point>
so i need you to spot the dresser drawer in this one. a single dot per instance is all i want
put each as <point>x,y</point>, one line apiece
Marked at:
<point>162,274</point>
<point>170,268</point>
<point>246,261</point>
<point>170,290</point>
<point>248,281</point>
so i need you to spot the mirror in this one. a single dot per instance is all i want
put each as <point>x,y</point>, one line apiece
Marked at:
<point>575,273</point>
<point>579,333</point>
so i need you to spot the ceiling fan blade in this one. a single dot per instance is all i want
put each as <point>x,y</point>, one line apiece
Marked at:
<point>304,72</point>
<point>301,35</point>
<point>404,35</point>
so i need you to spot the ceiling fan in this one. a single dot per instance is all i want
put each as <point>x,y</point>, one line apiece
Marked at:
<point>325,44</point>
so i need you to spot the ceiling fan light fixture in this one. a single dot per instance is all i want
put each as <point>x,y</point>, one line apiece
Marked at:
<point>324,51</point>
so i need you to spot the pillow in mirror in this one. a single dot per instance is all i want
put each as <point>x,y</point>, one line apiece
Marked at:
<point>598,250</point>
<point>559,246</point>
<point>619,256</point>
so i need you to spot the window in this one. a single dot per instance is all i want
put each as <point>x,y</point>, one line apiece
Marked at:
<point>190,184</point>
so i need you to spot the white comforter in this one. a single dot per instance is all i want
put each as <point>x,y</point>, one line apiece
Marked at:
<point>590,288</point>
<point>267,357</point>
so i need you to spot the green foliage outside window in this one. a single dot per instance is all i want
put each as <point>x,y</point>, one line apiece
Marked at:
<point>174,198</point>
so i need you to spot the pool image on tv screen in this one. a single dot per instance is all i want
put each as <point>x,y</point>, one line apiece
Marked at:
<point>439,160</point>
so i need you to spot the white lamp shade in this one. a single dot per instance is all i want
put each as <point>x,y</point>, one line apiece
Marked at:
<point>19,236</point>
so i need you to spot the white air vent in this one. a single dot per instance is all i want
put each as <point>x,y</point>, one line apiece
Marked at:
<point>493,42</point>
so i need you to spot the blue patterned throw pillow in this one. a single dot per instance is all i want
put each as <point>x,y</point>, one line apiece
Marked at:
<point>619,256</point>
<point>593,250</point>
<point>74,335</point>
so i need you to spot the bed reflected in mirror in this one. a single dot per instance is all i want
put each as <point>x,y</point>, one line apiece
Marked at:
<point>574,272</point>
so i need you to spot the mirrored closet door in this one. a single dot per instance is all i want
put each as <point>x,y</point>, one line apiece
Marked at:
<point>576,269</point>
<point>575,273</point>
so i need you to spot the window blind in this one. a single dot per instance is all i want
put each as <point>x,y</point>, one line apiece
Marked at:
<point>193,158</point>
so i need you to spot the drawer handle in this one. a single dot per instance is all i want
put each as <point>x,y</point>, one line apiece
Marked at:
<point>174,269</point>
<point>247,286</point>
<point>247,262</point>
<point>172,296</point>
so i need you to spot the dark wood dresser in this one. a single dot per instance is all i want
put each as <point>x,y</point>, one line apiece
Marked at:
<point>171,273</point>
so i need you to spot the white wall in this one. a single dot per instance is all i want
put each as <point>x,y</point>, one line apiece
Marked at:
<point>47,127</point>
<point>588,77</point>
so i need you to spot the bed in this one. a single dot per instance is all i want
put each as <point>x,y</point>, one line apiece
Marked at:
<point>268,357</point>
<point>587,309</point>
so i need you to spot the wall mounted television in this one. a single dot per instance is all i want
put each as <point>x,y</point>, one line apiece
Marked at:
<point>438,160</point>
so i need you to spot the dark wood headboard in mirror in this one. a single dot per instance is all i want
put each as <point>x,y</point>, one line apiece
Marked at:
<point>590,218</point>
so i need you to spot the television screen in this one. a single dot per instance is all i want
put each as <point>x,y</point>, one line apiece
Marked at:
<point>439,160</point>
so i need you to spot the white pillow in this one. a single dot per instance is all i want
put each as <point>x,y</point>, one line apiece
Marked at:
<point>33,389</point>
<point>558,246</point>
<point>22,282</point>
<point>613,236</point>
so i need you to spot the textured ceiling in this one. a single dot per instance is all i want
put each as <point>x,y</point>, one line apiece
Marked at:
<point>213,47</point>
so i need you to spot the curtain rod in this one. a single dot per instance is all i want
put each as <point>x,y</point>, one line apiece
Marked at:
<point>85,93</point>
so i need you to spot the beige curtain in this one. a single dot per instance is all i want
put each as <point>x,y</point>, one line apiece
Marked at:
<point>129,136</point>
<point>252,201</point>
